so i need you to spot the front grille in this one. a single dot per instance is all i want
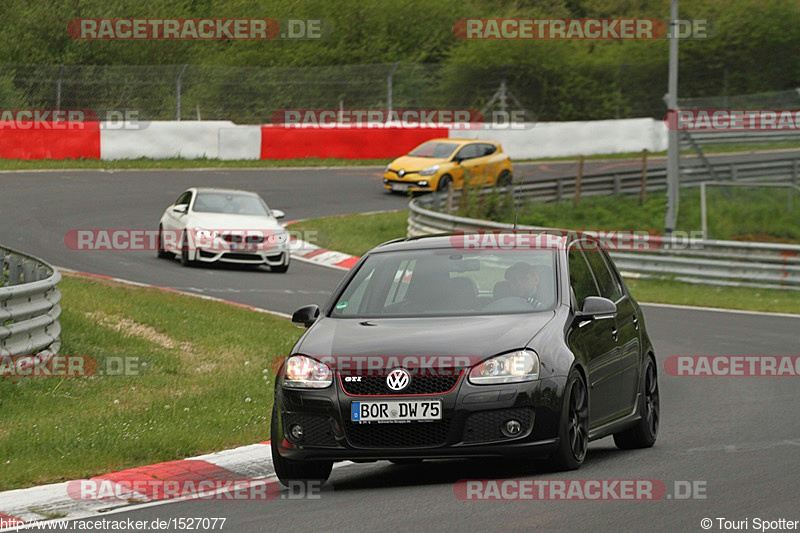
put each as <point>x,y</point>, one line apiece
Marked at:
<point>376,385</point>
<point>411,435</point>
<point>317,429</point>
<point>485,426</point>
<point>242,256</point>
<point>234,238</point>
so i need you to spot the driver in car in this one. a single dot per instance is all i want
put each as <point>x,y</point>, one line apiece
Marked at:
<point>524,278</point>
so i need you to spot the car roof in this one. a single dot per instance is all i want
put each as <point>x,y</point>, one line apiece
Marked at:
<point>445,240</point>
<point>224,191</point>
<point>460,141</point>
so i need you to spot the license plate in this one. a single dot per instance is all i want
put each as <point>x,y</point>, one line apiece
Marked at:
<point>396,411</point>
<point>400,187</point>
<point>245,247</point>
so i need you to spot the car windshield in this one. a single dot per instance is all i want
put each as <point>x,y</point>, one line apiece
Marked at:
<point>450,282</point>
<point>230,203</point>
<point>434,149</point>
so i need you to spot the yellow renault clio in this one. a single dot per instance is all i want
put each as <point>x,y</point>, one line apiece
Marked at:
<point>439,164</point>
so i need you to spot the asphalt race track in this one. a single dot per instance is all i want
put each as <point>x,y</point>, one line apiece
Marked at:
<point>741,436</point>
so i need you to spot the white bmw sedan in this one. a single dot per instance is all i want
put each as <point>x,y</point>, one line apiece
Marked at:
<point>209,225</point>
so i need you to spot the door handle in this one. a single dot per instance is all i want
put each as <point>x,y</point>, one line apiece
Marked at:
<point>615,334</point>
<point>636,322</point>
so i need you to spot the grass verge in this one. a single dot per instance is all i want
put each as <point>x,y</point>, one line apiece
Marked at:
<point>356,234</point>
<point>206,387</point>
<point>145,163</point>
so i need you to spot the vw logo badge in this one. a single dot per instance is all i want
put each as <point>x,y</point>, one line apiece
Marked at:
<point>401,173</point>
<point>397,380</point>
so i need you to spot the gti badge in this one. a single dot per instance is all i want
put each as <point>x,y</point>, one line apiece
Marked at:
<point>397,380</point>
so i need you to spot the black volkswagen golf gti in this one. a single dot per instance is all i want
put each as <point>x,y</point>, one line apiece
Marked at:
<point>435,347</point>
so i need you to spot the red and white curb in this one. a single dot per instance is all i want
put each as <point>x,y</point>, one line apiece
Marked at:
<point>311,253</point>
<point>245,464</point>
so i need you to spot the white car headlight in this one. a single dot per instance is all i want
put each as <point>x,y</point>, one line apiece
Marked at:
<point>430,171</point>
<point>514,367</point>
<point>302,372</point>
<point>201,233</point>
<point>385,170</point>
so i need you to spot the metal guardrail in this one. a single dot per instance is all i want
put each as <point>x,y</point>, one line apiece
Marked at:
<point>714,262</point>
<point>29,305</point>
<point>742,137</point>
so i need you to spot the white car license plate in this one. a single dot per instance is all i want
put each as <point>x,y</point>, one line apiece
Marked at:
<point>396,411</point>
<point>400,187</point>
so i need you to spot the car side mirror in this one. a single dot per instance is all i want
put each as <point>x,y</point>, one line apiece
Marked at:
<point>277,213</point>
<point>306,316</point>
<point>182,209</point>
<point>458,160</point>
<point>595,307</point>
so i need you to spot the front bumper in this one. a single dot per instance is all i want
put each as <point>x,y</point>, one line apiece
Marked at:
<point>274,257</point>
<point>391,182</point>
<point>470,425</point>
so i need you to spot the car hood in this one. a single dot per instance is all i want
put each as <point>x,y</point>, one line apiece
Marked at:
<point>473,336</point>
<point>223,221</point>
<point>415,164</point>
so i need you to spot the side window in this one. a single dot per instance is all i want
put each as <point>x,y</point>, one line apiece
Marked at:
<point>580,277</point>
<point>488,149</point>
<point>609,288</point>
<point>469,151</point>
<point>184,199</point>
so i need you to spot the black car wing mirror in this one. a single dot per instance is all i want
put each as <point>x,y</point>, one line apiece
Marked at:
<point>596,307</point>
<point>306,316</point>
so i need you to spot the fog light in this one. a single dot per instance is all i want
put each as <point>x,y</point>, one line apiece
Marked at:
<point>296,431</point>
<point>422,183</point>
<point>512,428</point>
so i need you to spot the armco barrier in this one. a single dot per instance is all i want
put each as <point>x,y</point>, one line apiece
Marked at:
<point>712,262</point>
<point>226,140</point>
<point>164,140</point>
<point>278,142</point>
<point>47,143</point>
<point>29,305</point>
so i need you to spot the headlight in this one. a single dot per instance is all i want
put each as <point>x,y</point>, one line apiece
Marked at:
<point>385,170</point>
<point>205,233</point>
<point>302,372</point>
<point>430,171</point>
<point>280,238</point>
<point>512,367</point>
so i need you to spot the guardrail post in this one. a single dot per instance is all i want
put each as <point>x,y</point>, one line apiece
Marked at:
<point>578,178</point>
<point>617,184</point>
<point>559,190</point>
<point>643,190</point>
<point>734,172</point>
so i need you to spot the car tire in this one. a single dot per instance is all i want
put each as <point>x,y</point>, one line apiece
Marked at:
<point>290,472</point>
<point>645,432</point>
<point>573,434</point>
<point>445,182</point>
<point>161,252</point>
<point>185,261</point>
<point>505,179</point>
<point>280,269</point>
